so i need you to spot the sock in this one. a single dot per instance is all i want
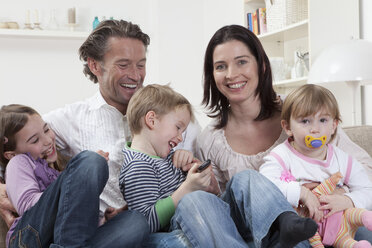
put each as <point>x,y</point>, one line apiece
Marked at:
<point>294,229</point>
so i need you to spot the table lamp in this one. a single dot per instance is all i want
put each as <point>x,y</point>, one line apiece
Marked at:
<point>349,62</point>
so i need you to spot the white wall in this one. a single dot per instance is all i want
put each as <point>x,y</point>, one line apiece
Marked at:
<point>46,73</point>
<point>366,33</point>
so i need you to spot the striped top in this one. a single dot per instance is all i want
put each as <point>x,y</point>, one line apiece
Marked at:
<point>146,183</point>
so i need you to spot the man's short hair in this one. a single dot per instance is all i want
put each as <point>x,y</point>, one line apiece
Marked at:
<point>96,45</point>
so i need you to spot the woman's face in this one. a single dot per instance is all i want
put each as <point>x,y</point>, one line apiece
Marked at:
<point>235,71</point>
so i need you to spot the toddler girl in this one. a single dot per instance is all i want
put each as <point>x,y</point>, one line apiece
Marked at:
<point>310,116</point>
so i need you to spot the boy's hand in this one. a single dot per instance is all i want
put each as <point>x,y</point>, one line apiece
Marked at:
<point>312,203</point>
<point>198,180</point>
<point>104,154</point>
<point>182,159</point>
<point>213,187</point>
<point>335,203</point>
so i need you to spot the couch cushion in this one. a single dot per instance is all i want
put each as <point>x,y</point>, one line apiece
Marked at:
<point>361,135</point>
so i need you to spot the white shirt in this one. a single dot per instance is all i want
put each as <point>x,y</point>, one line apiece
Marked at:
<point>95,125</point>
<point>304,169</point>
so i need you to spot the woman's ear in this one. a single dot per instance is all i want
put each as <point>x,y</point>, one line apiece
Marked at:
<point>150,119</point>
<point>286,127</point>
<point>9,154</point>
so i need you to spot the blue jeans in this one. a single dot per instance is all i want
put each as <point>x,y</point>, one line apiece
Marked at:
<point>67,213</point>
<point>242,218</point>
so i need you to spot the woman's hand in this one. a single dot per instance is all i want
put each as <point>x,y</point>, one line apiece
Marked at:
<point>312,203</point>
<point>335,203</point>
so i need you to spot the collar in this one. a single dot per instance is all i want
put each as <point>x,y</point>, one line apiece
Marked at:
<point>97,101</point>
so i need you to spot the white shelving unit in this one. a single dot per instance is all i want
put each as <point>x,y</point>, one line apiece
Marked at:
<point>43,34</point>
<point>328,22</point>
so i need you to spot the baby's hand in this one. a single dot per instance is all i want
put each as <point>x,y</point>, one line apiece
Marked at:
<point>104,154</point>
<point>335,203</point>
<point>182,159</point>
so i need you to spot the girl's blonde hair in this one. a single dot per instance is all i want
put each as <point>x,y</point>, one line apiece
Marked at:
<point>161,99</point>
<point>308,100</point>
<point>13,118</point>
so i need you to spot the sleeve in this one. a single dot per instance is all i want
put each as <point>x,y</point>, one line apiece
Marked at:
<point>21,184</point>
<point>343,142</point>
<point>141,191</point>
<point>360,187</point>
<point>203,152</point>
<point>273,171</point>
<point>189,137</point>
<point>56,120</point>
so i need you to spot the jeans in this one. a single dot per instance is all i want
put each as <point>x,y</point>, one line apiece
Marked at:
<point>242,218</point>
<point>67,213</point>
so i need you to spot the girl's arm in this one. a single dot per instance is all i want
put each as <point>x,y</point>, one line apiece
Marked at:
<point>283,180</point>
<point>22,186</point>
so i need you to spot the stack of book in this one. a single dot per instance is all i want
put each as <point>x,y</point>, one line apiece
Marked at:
<point>257,21</point>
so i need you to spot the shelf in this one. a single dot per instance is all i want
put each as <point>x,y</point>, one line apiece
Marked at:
<point>253,1</point>
<point>290,32</point>
<point>291,82</point>
<point>44,34</point>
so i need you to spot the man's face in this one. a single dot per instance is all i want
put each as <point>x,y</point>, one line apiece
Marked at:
<point>122,71</point>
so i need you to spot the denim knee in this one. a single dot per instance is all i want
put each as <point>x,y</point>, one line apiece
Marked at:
<point>90,164</point>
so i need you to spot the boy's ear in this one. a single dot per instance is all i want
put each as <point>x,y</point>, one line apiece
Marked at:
<point>150,119</point>
<point>94,66</point>
<point>9,154</point>
<point>286,128</point>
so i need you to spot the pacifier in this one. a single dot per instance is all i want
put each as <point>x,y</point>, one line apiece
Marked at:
<point>315,142</point>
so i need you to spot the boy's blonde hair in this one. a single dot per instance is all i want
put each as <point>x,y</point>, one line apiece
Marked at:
<point>307,100</point>
<point>161,99</point>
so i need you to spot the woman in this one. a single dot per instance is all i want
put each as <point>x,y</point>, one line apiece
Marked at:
<point>239,94</point>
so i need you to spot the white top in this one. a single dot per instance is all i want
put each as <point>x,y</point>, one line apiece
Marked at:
<point>95,125</point>
<point>226,162</point>
<point>284,159</point>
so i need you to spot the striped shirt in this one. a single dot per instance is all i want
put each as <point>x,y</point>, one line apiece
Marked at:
<point>147,180</point>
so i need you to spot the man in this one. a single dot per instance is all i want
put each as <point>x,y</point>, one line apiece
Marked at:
<point>114,56</point>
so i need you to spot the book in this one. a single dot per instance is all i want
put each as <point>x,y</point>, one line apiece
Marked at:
<point>255,23</point>
<point>262,20</point>
<point>249,21</point>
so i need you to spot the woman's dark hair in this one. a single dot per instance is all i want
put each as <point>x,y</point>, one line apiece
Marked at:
<point>96,46</point>
<point>214,100</point>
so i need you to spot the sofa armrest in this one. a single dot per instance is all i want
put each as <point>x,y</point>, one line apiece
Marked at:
<point>361,135</point>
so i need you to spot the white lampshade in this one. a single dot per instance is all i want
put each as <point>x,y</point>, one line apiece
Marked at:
<point>343,62</point>
<point>349,62</point>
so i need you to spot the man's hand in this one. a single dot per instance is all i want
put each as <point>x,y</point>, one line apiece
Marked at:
<point>6,208</point>
<point>112,212</point>
<point>104,154</point>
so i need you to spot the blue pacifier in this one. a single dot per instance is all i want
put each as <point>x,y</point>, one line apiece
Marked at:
<point>315,142</point>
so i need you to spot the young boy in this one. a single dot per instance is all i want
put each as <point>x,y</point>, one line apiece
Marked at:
<point>149,180</point>
<point>152,182</point>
